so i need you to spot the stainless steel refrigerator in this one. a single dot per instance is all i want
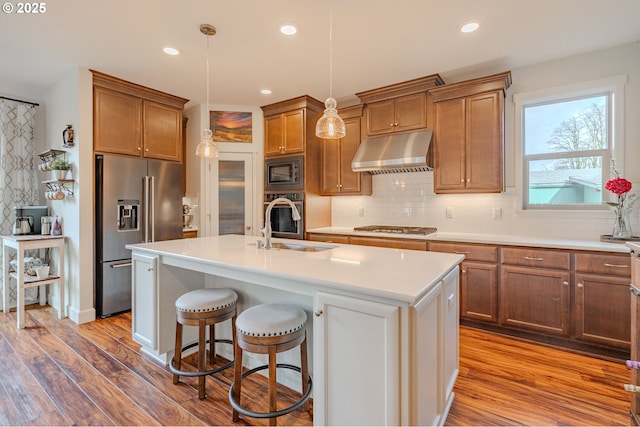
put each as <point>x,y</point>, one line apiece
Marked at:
<point>137,201</point>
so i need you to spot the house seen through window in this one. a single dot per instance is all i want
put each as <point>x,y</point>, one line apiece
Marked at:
<point>566,151</point>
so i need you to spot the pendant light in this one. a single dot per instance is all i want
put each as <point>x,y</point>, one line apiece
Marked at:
<point>206,147</point>
<point>330,125</point>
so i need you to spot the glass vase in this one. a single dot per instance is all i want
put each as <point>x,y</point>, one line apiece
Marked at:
<point>622,225</point>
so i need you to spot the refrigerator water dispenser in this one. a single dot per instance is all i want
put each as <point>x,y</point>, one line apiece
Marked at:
<point>128,219</point>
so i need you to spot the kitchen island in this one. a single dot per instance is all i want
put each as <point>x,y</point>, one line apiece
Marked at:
<point>383,323</point>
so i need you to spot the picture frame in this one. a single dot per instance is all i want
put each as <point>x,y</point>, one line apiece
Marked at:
<point>231,126</point>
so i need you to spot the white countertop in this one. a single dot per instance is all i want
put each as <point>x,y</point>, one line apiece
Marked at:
<point>399,275</point>
<point>496,239</point>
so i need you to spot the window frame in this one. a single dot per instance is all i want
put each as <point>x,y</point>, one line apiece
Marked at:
<point>614,88</point>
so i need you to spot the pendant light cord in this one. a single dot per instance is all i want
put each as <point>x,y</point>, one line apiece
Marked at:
<point>330,53</point>
<point>208,106</point>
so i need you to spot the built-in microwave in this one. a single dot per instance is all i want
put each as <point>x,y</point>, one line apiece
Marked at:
<point>284,174</point>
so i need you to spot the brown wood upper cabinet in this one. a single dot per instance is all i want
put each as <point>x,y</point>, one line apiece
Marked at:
<point>469,135</point>
<point>289,125</point>
<point>337,177</point>
<point>134,120</point>
<point>399,107</point>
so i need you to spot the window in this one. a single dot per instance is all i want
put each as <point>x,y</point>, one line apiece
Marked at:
<point>566,145</point>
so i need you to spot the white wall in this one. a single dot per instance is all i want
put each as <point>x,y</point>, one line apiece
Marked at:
<point>70,101</point>
<point>408,199</point>
<point>200,171</point>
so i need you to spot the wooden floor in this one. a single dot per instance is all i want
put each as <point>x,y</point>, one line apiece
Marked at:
<point>58,373</point>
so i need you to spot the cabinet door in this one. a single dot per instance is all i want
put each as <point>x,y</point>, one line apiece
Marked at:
<point>427,356</point>
<point>449,146</point>
<point>535,299</point>
<point>380,117</point>
<point>162,132</point>
<point>294,130</point>
<point>484,142</point>
<point>144,301</point>
<point>451,325</point>
<point>117,122</point>
<point>479,291</point>
<point>602,310</point>
<point>350,181</point>
<point>331,162</point>
<point>274,135</point>
<point>355,338</point>
<point>411,112</point>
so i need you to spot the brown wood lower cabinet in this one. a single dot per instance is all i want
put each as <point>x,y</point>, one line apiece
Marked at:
<point>478,279</point>
<point>535,299</point>
<point>567,298</point>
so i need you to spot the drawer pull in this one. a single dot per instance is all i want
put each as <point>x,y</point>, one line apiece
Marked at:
<point>633,364</point>
<point>616,265</point>
<point>528,258</point>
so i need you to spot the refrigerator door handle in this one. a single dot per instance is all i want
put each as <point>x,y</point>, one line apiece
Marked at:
<point>145,191</point>
<point>124,264</point>
<point>152,190</point>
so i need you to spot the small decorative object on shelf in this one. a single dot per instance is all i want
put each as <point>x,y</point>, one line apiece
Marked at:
<point>56,227</point>
<point>622,206</point>
<point>67,137</point>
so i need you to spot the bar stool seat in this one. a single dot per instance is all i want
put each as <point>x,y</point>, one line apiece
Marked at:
<point>201,308</point>
<point>270,329</point>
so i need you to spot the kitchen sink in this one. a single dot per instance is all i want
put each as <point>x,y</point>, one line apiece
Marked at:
<point>299,247</point>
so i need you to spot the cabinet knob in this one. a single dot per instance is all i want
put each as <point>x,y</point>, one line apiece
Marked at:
<point>391,125</point>
<point>139,149</point>
<point>150,269</point>
<point>318,313</point>
<point>565,283</point>
<point>580,285</point>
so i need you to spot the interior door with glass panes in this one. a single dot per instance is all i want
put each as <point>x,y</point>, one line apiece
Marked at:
<point>232,197</point>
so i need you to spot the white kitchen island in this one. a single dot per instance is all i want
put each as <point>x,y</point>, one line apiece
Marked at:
<point>383,323</point>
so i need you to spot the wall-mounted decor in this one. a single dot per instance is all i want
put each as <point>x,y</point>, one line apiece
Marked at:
<point>230,126</point>
<point>67,137</point>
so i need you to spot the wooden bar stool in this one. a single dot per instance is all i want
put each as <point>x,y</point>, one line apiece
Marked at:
<point>270,329</point>
<point>201,308</point>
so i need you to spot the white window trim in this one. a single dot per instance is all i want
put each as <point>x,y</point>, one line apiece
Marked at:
<point>615,85</point>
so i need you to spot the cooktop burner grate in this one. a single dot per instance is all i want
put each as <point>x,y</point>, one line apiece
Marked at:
<point>397,229</point>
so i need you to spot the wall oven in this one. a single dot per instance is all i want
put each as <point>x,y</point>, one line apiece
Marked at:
<point>284,174</point>
<point>282,223</point>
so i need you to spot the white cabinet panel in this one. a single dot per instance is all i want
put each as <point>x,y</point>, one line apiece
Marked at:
<point>144,300</point>
<point>356,339</point>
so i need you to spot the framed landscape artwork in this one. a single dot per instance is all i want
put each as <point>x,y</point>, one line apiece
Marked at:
<point>230,126</point>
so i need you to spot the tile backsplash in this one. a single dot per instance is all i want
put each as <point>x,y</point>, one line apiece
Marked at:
<point>408,199</point>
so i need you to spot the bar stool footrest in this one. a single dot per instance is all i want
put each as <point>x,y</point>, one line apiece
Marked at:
<point>253,414</point>
<point>203,373</point>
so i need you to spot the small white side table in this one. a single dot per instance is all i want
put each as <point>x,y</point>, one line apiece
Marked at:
<point>21,244</point>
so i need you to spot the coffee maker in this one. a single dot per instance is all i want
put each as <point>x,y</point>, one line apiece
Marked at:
<point>27,219</point>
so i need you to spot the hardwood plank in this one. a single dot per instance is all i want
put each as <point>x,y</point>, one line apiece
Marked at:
<point>55,372</point>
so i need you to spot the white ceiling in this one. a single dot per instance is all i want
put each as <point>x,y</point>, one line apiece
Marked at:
<point>375,42</point>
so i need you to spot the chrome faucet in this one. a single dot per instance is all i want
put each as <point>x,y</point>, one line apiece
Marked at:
<point>266,244</point>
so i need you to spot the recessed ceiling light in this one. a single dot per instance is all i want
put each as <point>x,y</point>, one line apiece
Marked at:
<point>171,51</point>
<point>265,91</point>
<point>288,29</point>
<point>469,27</point>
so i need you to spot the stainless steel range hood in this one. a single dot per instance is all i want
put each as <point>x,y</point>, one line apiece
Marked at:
<point>405,152</point>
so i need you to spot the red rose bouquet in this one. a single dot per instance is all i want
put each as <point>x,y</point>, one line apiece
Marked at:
<point>622,207</point>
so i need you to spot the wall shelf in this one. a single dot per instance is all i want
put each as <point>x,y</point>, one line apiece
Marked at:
<point>65,185</point>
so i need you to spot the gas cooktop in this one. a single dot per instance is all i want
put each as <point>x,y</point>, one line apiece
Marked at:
<point>397,229</point>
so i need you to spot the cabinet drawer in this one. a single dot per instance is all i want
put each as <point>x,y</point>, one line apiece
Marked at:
<point>389,243</point>
<point>600,263</point>
<point>535,257</point>
<point>481,253</point>
<point>329,238</point>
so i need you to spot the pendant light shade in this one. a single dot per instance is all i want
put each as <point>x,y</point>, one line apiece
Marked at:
<point>330,125</point>
<point>206,147</point>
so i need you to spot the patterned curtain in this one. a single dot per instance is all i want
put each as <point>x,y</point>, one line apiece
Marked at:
<point>18,170</point>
